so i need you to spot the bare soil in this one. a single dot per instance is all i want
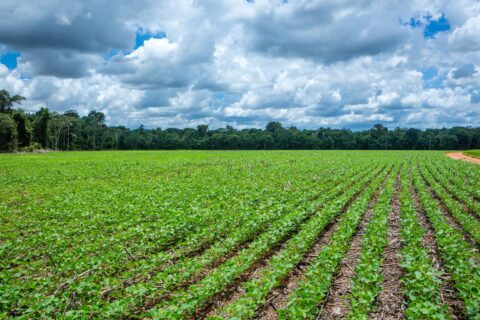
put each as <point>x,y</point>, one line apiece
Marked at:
<point>461,156</point>
<point>336,305</point>
<point>389,302</point>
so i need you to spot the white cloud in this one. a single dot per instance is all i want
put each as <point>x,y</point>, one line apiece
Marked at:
<point>306,63</point>
<point>466,37</point>
<point>153,49</point>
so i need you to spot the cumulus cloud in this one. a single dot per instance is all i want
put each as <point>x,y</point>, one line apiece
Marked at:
<point>326,31</point>
<point>244,63</point>
<point>465,37</point>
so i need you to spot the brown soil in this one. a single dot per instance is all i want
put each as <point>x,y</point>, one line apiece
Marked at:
<point>336,305</point>
<point>447,289</point>
<point>461,156</point>
<point>389,302</point>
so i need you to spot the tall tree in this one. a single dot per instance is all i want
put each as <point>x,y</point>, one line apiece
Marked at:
<point>7,101</point>
<point>8,133</point>
<point>73,126</point>
<point>202,130</point>
<point>24,130</point>
<point>40,127</point>
<point>95,121</point>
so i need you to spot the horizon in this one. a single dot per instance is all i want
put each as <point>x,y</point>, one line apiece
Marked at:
<point>342,65</point>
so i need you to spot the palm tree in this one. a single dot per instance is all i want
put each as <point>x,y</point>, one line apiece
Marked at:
<point>7,101</point>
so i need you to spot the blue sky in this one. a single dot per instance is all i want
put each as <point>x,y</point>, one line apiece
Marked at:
<point>142,35</point>
<point>9,59</point>
<point>346,64</point>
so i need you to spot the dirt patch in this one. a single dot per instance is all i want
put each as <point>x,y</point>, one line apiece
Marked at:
<point>461,156</point>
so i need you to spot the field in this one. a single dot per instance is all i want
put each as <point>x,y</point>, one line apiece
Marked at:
<point>269,235</point>
<point>473,153</point>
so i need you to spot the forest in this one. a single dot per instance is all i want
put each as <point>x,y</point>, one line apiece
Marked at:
<point>45,129</point>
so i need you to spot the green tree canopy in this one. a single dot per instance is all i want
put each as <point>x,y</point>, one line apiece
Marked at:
<point>7,101</point>
<point>8,133</point>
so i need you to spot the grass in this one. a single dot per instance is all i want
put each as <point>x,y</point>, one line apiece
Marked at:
<point>473,153</point>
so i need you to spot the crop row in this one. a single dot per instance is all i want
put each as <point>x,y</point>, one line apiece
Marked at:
<point>368,276</point>
<point>188,300</point>
<point>303,302</point>
<point>237,234</point>
<point>421,282</point>
<point>187,268</point>
<point>467,221</point>
<point>459,258</point>
<point>51,265</point>
<point>280,265</point>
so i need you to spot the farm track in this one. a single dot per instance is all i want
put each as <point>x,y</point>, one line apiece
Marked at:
<point>463,157</point>
<point>449,294</point>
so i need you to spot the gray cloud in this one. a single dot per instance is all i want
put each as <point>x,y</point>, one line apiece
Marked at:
<point>62,64</point>
<point>306,63</point>
<point>88,26</point>
<point>326,31</point>
<point>464,71</point>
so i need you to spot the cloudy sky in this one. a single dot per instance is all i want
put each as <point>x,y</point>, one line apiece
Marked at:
<point>336,63</point>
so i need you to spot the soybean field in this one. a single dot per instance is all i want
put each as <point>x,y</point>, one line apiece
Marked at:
<point>239,235</point>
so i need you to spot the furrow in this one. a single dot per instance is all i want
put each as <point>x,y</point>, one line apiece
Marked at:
<point>459,258</point>
<point>286,260</point>
<point>390,302</point>
<point>336,305</point>
<point>196,296</point>
<point>312,288</point>
<point>448,292</point>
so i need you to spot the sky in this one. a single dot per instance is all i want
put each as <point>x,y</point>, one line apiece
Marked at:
<point>309,64</point>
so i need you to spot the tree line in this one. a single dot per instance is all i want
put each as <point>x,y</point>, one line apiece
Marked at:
<point>23,131</point>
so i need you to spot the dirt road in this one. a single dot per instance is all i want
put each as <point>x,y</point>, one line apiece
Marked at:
<point>461,156</point>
